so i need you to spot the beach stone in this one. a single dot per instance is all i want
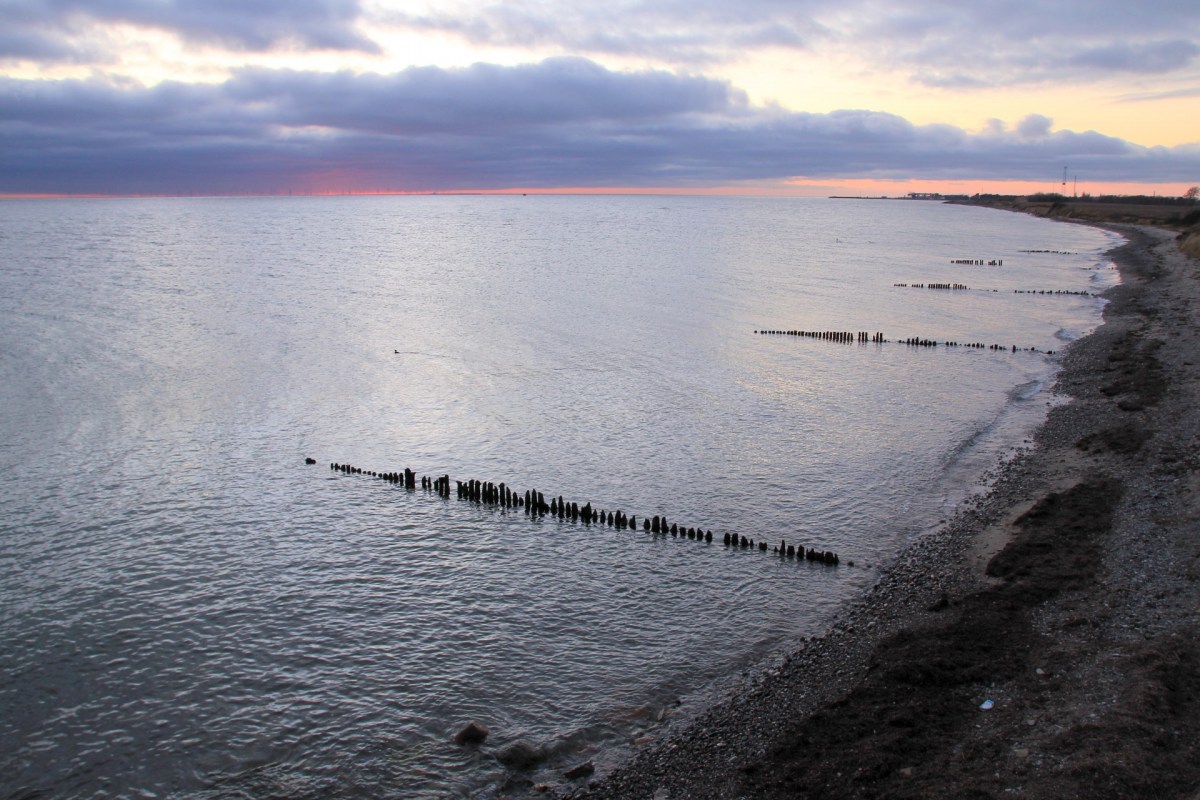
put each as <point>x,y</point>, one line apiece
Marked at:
<point>472,733</point>
<point>521,755</point>
<point>580,771</point>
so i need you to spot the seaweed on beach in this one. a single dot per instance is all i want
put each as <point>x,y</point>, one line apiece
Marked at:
<point>924,684</point>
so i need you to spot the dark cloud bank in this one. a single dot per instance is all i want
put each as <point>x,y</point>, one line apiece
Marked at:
<point>561,122</point>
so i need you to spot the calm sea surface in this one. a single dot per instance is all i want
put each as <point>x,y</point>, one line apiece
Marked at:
<point>188,610</point>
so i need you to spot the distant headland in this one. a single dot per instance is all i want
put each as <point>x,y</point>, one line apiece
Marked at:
<point>1180,214</point>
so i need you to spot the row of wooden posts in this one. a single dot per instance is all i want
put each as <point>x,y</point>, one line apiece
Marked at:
<point>955,286</point>
<point>975,345</point>
<point>535,505</point>
<point>915,341</point>
<point>965,288</point>
<point>978,262</point>
<point>1053,291</point>
<point>845,337</point>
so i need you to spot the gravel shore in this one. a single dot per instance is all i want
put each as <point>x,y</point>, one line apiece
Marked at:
<point>1043,643</point>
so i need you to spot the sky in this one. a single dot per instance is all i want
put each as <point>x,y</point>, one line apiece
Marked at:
<point>805,97</point>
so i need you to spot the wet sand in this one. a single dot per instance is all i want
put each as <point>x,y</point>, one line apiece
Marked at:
<point>1066,600</point>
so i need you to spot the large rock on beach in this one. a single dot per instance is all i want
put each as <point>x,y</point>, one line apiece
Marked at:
<point>579,771</point>
<point>521,755</point>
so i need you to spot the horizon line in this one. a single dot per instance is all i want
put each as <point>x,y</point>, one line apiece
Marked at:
<point>859,187</point>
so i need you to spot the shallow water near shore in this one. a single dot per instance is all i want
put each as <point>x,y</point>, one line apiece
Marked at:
<point>189,610</point>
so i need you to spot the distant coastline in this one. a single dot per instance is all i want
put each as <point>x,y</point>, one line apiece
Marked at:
<point>1171,213</point>
<point>925,197</point>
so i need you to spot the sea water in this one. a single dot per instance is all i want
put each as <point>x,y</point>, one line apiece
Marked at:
<point>187,609</point>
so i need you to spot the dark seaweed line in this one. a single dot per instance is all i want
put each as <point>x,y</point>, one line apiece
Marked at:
<point>534,503</point>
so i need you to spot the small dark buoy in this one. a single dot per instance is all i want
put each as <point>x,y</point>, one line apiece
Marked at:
<point>310,461</point>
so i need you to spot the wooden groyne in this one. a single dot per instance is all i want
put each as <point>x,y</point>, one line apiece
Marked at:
<point>1055,291</point>
<point>862,337</point>
<point>843,337</point>
<point>533,502</point>
<point>962,287</point>
<point>952,286</point>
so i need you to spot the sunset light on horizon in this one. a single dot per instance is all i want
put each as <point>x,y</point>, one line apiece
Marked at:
<point>809,98</point>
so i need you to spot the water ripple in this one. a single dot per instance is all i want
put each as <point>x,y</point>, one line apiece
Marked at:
<point>188,611</point>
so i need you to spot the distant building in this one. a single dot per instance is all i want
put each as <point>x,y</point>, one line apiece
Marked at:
<point>925,196</point>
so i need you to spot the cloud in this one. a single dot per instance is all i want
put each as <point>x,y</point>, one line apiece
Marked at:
<point>695,33</point>
<point>943,44</point>
<point>1034,126</point>
<point>1166,94</point>
<point>1147,57</point>
<point>62,30</point>
<point>940,43</point>
<point>946,44</point>
<point>560,122</point>
<point>483,97</point>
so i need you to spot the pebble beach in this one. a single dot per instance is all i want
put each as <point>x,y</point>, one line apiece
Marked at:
<point>1041,643</point>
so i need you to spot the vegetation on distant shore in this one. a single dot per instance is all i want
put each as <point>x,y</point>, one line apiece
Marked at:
<point>1176,213</point>
<point>1189,241</point>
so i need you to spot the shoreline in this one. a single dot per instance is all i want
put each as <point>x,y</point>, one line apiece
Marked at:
<point>1081,633</point>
